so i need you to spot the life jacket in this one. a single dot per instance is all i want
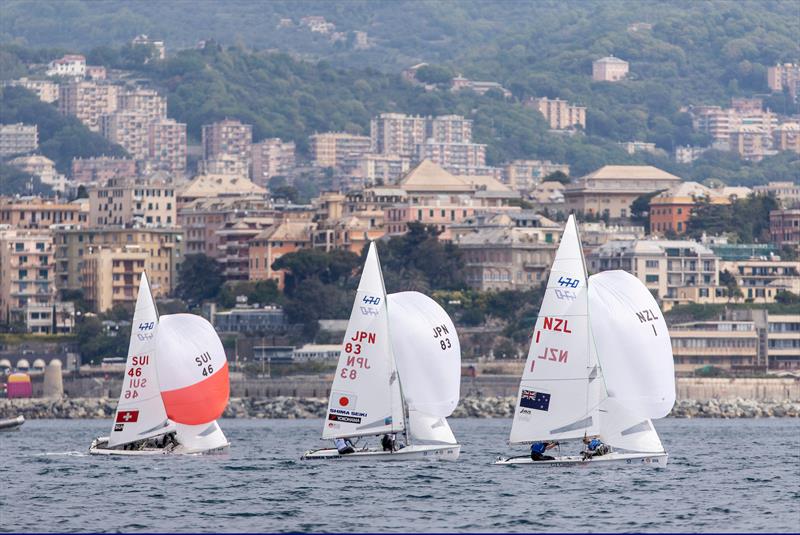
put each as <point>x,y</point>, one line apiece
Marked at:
<point>594,444</point>
<point>538,447</point>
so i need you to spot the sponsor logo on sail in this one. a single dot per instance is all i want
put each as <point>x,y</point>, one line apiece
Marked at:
<point>119,427</point>
<point>535,400</point>
<point>343,418</point>
<point>127,417</point>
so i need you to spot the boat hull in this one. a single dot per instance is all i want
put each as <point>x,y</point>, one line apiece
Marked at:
<point>415,452</point>
<point>655,460</point>
<point>12,424</point>
<point>100,447</point>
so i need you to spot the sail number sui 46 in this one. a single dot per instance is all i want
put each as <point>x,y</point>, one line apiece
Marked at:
<point>135,379</point>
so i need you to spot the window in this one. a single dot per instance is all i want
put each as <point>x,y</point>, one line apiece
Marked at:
<point>651,263</point>
<point>651,278</point>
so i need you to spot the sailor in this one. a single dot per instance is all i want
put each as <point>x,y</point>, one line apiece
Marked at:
<point>388,442</point>
<point>594,448</point>
<point>344,446</point>
<point>538,449</point>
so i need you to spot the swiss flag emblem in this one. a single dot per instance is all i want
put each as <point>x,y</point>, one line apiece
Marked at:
<point>343,400</point>
<point>125,417</point>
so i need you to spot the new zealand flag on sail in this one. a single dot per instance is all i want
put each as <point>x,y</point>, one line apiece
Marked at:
<point>535,400</point>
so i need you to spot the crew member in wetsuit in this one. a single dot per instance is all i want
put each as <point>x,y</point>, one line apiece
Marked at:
<point>343,446</point>
<point>388,442</point>
<point>538,449</point>
<point>594,448</point>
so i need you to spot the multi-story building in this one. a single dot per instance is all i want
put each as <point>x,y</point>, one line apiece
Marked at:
<point>382,168</point>
<point>283,237</point>
<point>110,276</point>
<point>524,175</point>
<point>787,193</point>
<point>39,213</point>
<point>18,139</point>
<point>230,138</point>
<point>459,83</point>
<point>42,167</point>
<point>612,188</point>
<point>720,123</point>
<point>46,90</point>
<point>166,146</point>
<point>96,72</point>
<point>87,101</point>
<point>331,149</point>
<point>160,248</point>
<point>787,137</point>
<point>207,186</point>
<point>101,169</point>
<point>71,65</point>
<point>125,202</point>
<point>271,157</point>
<point>128,129</point>
<point>784,226</point>
<point>559,114</point>
<point>786,76</point>
<point>251,320</point>
<point>397,133</point>
<point>760,279</point>
<point>452,155</point>
<point>451,129</point>
<point>224,164</point>
<point>160,50</point>
<point>55,318</point>
<point>609,69</point>
<point>731,345</point>
<point>783,341</point>
<point>748,142</point>
<point>234,239</point>
<point>670,210</point>
<point>688,154</point>
<point>677,271</point>
<point>26,271</point>
<point>143,100</point>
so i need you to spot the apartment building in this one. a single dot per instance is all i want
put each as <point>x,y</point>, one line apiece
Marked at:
<point>784,226</point>
<point>87,101</point>
<point>271,157</point>
<point>786,76</point>
<point>41,167</point>
<point>110,276</point>
<point>39,213</point>
<point>382,168</point>
<point>609,69</point>
<point>750,142</point>
<point>397,133</point>
<point>787,193</point>
<point>786,137</point>
<point>451,129</point>
<point>331,149</point>
<point>234,241</point>
<point>230,138</point>
<point>524,175</point>
<point>760,279</point>
<point>55,318</point>
<point>720,123</point>
<point>731,345</point>
<point>452,155</point>
<point>26,271</point>
<point>101,169</point>
<point>128,129</point>
<point>18,139</point>
<point>143,100</point>
<point>676,271</point>
<point>70,65</point>
<point>125,202</point>
<point>46,90</point>
<point>612,188</point>
<point>560,114</point>
<point>166,147</point>
<point>783,341</point>
<point>283,237</point>
<point>670,210</point>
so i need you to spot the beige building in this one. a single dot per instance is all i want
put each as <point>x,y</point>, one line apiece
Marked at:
<point>382,168</point>
<point>786,76</point>
<point>128,129</point>
<point>525,175</point>
<point>234,239</point>
<point>397,133</point>
<point>451,129</point>
<point>218,186</point>
<point>160,248</point>
<point>787,192</point>
<point>609,69</point>
<point>125,202</point>
<point>787,137</point>
<point>760,279</point>
<point>560,114</point>
<point>228,137</point>
<point>452,155</point>
<point>18,139</point>
<point>70,65</point>
<point>39,213</point>
<point>143,100</point>
<point>166,147</point>
<point>42,167</point>
<point>111,277</point>
<point>101,169</point>
<point>783,341</point>
<point>612,188</point>
<point>731,345</point>
<point>749,142</point>
<point>46,90</point>
<point>88,101</point>
<point>721,123</point>
<point>26,271</point>
<point>271,157</point>
<point>331,149</point>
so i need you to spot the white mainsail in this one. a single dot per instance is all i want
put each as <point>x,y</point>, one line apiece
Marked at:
<point>140,412</point>
<point>561,385</point>
<point>365,396</point>
<point>427,352</point>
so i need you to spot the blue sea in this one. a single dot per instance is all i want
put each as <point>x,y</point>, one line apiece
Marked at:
<point>723,475</point>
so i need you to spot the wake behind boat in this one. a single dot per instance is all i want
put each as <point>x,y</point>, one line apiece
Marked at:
<point>175,386</point>
<point>600,365</point>
<point>398,372</point>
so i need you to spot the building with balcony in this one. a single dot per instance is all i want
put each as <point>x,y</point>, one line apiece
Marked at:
<point>18,139</point>
<point>142,201</point>
<point>560,114</point>
<point>450,129</point>
<point>670,210</point>
<point>525,175</point>
<point>166,147</point>
<point>46,90</point>
<point>784,77</point>
<point>731,345</point>
<point>250,320</point>
<point>786,137</point>
<point>397,133</point>
<point>110,277</point>
<point>787,193</point>
<point>26,271</point>
<point>88,101</point>
<point>760,279</point>
<point>101,169</point>
<point>332,149</point>
<point>55,318</point>
<point>229,138</point>
<point>39,213</point>
<point>271,157</point>
<point>783,341</point>
<point>70,65</point>
<point>234,239</point>
<point>283,237</point>
<point>784,226</point>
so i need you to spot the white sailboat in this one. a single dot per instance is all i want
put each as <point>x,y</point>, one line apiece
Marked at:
<point>398,372</point>
<point>600,364</point>
<point>175,386</point>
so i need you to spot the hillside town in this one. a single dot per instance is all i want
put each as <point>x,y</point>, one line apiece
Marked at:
<point>232,198</point>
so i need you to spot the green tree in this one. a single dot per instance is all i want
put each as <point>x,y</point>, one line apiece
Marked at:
<point>640,209</point>
<point>199,279</point>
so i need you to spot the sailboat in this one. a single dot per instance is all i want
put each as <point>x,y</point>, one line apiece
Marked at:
<point>398,373</point>
<point>600,364</point>
<point>175,386</point>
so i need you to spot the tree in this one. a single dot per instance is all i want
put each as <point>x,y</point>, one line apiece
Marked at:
<point>557,176</point>
<point>199,279</point>
<point>786,297</point>
<point>640,209</point>
<point>727,279</point>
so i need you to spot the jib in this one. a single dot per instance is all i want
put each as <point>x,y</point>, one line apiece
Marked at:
<point>440,330</point>
<point>358,362</point>
<point>556,324</point>
<point>360,336</point>
<point>202,359</point>
<point>140,360</point>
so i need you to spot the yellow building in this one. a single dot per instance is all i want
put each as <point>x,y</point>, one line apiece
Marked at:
<point>110,277</point>
<point>331,149</point>
<point>87,101</point>
<point>37,212</point>
<point>560,114</point>
<point>122,201</point>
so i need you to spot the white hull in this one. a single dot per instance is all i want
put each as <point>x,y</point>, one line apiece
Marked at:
<point>100,447</point>
<point>657,460</point>
<point>12,424</point>
<point>415,452</point>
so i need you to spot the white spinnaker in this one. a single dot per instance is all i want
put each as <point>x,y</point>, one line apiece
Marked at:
<point>187,346</point>
<point>197,438</point>
<point>633,344</point>
<point>140,412</point>
<point>427,353</point>
<point>426,429</point>
<point>365,395</point>
<point>561,385</point>
<point>625,430</point>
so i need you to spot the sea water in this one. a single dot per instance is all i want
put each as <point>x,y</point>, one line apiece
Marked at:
<point>723,475</point>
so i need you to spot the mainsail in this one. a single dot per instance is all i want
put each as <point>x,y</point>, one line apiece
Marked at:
<point>561,385</point>
<point>140,412</point>
<point>365,396</point>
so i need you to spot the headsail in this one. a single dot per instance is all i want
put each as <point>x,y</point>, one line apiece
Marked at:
<point>140,412</point>
<point>633,344</point>
<point>427,352</point>
<point>365,396</point>
<point>426,429</point>
<point>193,369</point>
<point>561,385</point>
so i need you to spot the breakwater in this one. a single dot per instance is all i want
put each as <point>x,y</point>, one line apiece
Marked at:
<point>295,408</point>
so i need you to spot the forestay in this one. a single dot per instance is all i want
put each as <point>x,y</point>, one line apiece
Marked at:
<point>427,352</point>
<point>140,412</point>
<point>633,344</point>
<point>365,396</point>
<point>561,385</point>
<point>192,368</point>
